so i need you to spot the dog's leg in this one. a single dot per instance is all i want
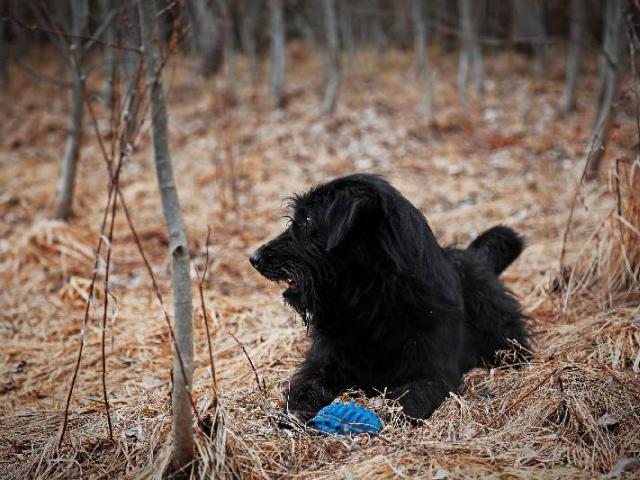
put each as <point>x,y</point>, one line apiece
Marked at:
<point>420,398</point>
<point>318,381</point>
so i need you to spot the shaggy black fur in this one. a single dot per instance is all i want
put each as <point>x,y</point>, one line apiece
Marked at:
<point>388,308</point>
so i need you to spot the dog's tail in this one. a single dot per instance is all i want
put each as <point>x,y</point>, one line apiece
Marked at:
<point>499,246</point>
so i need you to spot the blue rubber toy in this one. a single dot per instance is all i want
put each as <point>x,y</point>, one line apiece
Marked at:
<point>346,418</point>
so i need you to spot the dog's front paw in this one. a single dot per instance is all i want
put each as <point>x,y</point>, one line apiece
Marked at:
<point>304,400</point>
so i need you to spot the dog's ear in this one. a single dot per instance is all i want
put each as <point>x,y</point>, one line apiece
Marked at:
<point>341,218</point>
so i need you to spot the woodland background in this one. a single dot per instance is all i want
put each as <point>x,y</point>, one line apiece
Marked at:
<point>480,112</point>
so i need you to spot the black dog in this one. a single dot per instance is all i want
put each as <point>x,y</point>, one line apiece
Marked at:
<point>388,308</point>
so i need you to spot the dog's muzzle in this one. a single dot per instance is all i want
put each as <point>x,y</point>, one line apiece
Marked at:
<point>263,263</point>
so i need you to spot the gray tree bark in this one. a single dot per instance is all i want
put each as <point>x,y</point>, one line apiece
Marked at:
<point>422,57</point>
<point>208,37</point>
<point>18,8</point>
<point>248,31</point>
<point>278,53</point>
<point>400,27</point>
<point>377,27</point>
<point>578,18</point>
<point>470,54</point>
<point>346,32</point>
<point>229,48</point>
<point>178,247</point>
<point>4,52</point>
<point>66,186</point>
<point>610,73</point>
<point>106,8</point>
<point>333,57</point>
<point>528,27</point>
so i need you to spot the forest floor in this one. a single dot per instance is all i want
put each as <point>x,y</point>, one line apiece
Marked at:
<point>573,412</point>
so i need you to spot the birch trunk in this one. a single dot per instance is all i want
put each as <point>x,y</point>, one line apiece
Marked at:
<point>178,247</point>
<point>333,57</point>
<point>66,186</point>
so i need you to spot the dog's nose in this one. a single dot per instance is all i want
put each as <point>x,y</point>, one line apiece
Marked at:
<point>255,259</point>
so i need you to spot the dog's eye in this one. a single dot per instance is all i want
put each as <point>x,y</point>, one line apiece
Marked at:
<point>307,220</point>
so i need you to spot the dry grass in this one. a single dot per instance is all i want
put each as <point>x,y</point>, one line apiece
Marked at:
<point>573,412</point>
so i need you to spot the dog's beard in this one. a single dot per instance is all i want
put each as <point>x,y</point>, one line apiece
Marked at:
<point>298,293</point>
<point>305,287</point>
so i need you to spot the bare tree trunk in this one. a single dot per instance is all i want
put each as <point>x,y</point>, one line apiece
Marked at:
<point>424,72</point>
<point>130,30</point>
<point>4,54</point>
<point>377,27</point>
<point>66,186</point>
<point>18,8</point>
<point>106,8</point>
<point>577,17</point>
<point>470,54</point>
<point>540,37</point>
<point>250,20</point>
<point>528,27</point>
<point>229,48</point>
<point>178,247</point>
<point>345,20</point>
<point>208,37</point>
<point>333,57</point>
<point>476,51</point>
<point>400,27</point>
<point>278,53</point>
<point>611,67</point>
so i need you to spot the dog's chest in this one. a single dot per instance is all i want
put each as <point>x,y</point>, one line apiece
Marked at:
<point>373,365</point>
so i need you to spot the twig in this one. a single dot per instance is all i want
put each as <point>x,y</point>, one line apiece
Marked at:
<point>85,320</point>
<point>205,319</point>
<point>574,200</point>
<point>261,387</point>
<point>105,309</point>
<point>101,29</point>
<point>52,30</point>
<point>40,77</point>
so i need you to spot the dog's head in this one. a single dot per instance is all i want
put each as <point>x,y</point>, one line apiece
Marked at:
<point>340,236</point>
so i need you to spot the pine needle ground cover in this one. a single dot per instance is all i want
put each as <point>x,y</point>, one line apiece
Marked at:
<point>573,412</point>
